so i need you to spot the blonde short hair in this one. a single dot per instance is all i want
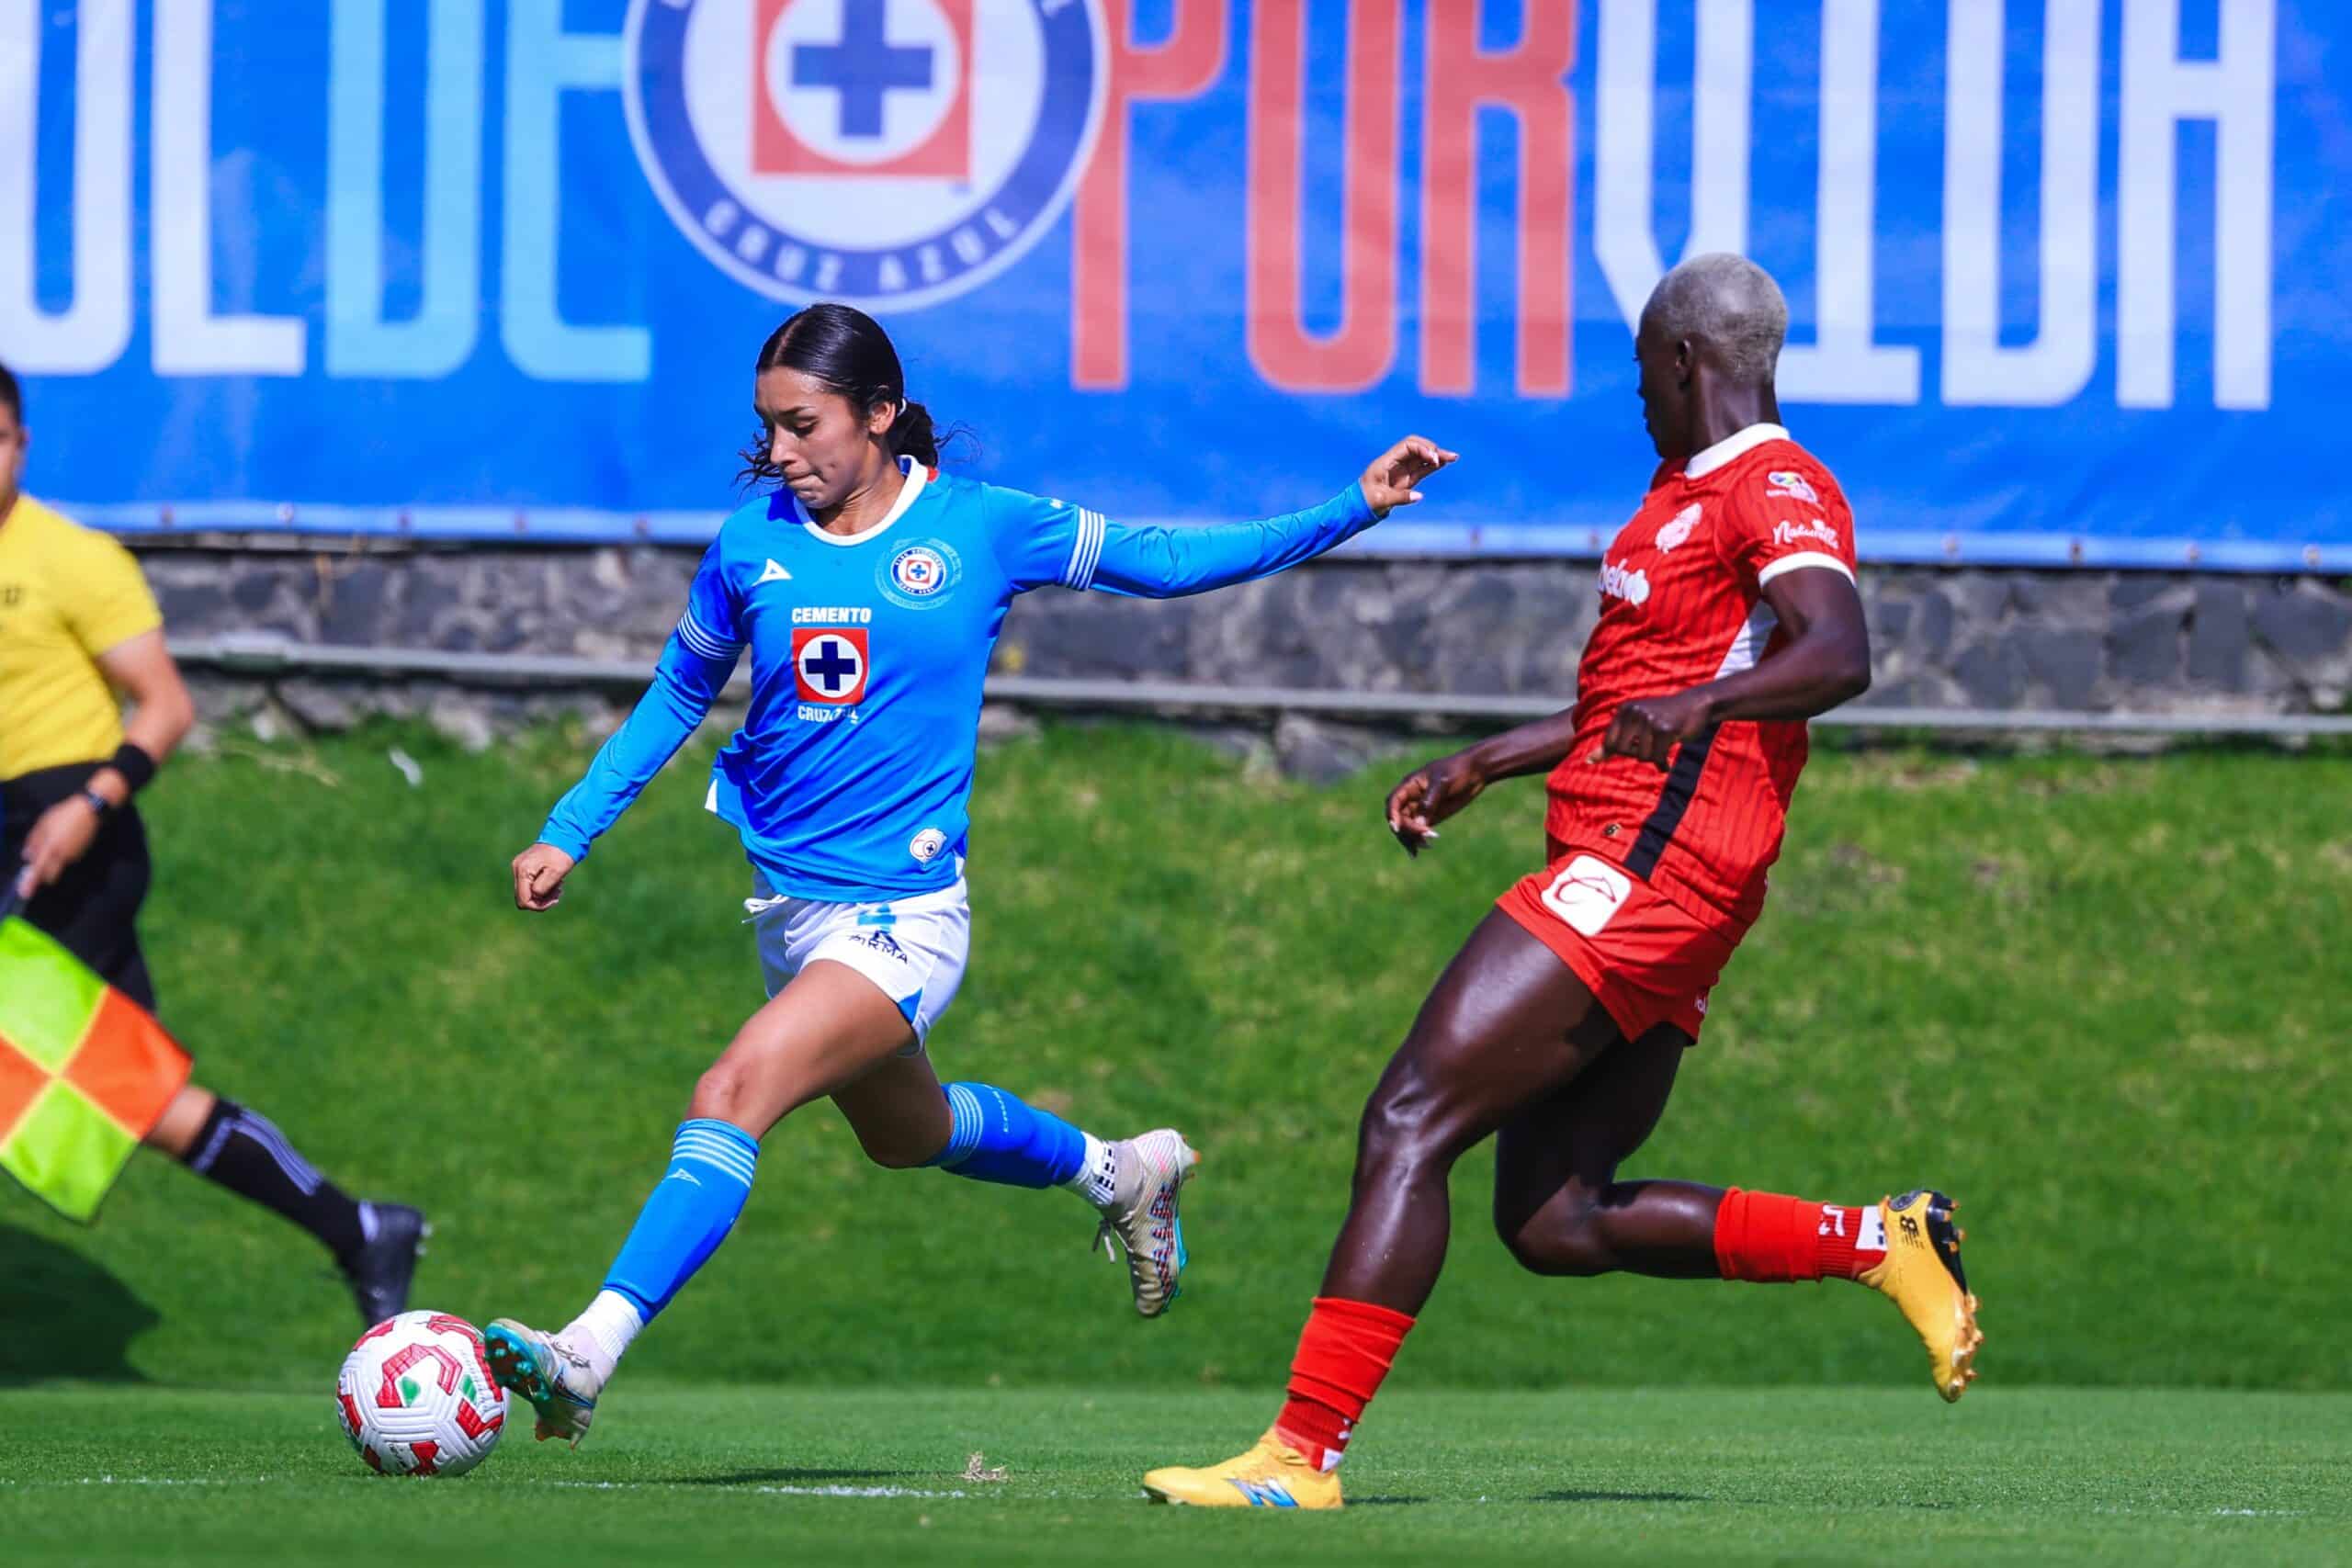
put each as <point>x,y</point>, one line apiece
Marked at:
<point>1728,303</point>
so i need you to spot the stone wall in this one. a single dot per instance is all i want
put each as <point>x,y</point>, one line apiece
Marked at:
<point>2095,641</point>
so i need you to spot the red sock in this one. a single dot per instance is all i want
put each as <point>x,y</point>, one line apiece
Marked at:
<point>1343,1352</point>
<point>1764,1238</point>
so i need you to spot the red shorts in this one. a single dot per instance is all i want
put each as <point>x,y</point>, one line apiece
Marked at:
<point>1646,959</point>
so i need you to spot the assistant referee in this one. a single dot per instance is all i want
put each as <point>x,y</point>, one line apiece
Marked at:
<point>77,624</point>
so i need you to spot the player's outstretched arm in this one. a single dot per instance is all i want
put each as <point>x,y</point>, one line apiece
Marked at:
<point>1167,563</point>
<point>1826,661</point>
<point>686,683</point>
<point>1431,794</point>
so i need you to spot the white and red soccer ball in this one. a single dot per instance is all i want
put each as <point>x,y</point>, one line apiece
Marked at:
<point>416,1397</point>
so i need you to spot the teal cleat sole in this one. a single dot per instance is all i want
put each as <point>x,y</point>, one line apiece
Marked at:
<point>514,1364</point>
<point>1176,1292</point>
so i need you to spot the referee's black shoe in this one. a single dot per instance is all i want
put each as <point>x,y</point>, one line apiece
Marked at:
<point>379,1273</point>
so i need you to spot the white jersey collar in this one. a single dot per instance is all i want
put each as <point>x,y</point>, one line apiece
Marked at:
<point>1738,444</point>
<point>917,475</point>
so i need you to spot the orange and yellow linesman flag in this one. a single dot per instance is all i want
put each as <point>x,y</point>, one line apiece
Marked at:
<point>85,1072</point>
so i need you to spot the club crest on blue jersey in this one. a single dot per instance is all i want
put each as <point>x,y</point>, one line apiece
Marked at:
<point>920,574</point>
<point>830,665</point>
<point>887,152</point>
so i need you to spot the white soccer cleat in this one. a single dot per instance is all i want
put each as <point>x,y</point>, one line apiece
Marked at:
<point>1141,1219</point>
<point>560,1382</point>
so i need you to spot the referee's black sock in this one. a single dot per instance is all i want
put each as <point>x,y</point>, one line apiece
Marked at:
<point>244,1152</point>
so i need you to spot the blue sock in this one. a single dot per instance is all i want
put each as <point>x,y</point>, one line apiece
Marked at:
<point>998,1138</point>
<point>688,1213</point>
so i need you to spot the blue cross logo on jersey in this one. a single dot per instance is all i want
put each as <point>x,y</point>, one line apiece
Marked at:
<point>828,664</point>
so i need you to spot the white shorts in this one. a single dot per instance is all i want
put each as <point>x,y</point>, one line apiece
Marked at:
<point>912,949</point>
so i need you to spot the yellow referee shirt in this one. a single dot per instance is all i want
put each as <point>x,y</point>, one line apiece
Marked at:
<point>67,594</point>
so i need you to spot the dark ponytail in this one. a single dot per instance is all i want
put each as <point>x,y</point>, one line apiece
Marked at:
<point>847,351</point>
<point>912,435</point>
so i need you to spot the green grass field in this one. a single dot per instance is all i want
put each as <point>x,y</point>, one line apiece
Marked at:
<point>1883,1478</point>
<point>2100,1000</point>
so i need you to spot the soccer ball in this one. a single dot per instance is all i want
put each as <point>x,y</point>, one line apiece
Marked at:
<point>415,1396</point>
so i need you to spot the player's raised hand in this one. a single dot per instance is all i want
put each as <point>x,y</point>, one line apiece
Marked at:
<point>1429,795</point>
<point>539,872</point>
<point>1390,482</point>
<point>1650,728</point>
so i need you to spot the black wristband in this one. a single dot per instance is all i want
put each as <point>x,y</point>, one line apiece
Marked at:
<point>137,768</point>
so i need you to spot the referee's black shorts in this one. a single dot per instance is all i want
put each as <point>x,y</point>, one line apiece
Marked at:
<point>93,907</point>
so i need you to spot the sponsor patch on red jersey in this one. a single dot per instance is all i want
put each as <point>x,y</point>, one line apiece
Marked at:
<point>1679,531</point>
<point>829,663</point>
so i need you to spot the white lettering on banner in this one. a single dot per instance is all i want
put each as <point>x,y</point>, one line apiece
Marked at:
<point>2237,90</point>
<point>1843,365</point>
<point>74,313</point>
<point>831,615</point>
<point>543,62</point>
<point>2057,363</point>
<point>1625,219</point>
<point>439,338</point>
<point>189,339</point>
<point>90,333</point>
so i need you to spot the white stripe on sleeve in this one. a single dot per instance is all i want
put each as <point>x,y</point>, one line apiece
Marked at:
<point>699,641</point>
<point>1802,560</point>
<point>1085,550</point>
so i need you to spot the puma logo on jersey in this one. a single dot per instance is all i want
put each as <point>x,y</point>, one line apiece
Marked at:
<point>773,572</point>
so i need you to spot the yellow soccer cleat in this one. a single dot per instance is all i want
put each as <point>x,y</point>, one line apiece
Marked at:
<point>1921,1274</point>
<point>1270,1475</point>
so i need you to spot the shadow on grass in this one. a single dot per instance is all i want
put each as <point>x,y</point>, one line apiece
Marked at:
<point>64,1316</point>
<point>1617,1497</point>
<point>801,1477</point>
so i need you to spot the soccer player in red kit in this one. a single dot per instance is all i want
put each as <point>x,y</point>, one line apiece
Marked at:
<point>1729,616</point>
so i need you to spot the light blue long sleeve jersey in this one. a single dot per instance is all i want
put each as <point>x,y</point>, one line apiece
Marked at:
<point>851,780</point>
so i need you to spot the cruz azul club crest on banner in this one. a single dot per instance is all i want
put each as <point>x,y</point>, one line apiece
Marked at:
<point>890,153</point>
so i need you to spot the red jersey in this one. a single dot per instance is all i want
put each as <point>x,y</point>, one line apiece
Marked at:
<point>1681,604</point>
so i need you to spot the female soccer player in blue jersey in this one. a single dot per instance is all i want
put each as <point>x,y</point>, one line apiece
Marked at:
<point>870,589</point>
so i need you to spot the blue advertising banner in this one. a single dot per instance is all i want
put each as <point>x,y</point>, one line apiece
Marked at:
<point>2067,277</point>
